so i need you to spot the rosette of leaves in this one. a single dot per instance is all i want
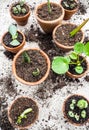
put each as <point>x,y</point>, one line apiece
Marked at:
<point>14,34</point>
<point>19,8</point>
<point>69,4</point>
<point>60,64</point>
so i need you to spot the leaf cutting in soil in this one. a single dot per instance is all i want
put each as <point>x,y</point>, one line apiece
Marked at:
<point>49,6</point>
<point>26,57</point>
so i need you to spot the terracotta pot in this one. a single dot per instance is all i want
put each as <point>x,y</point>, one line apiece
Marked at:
<point>48,26</point>
<point>60,45</point>
<point>80,75</point>
<point>21,20</point>
<point>11,120</point>
<point>31,83</point>
<point>14,49</point>
<point>69,13</point>
<point>65,116</point>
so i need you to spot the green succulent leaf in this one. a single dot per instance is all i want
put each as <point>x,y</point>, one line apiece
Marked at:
<point>26,57</point>
<point>60,65</point>
<point>73,101</point>
<point>70,113</point>
<point>36,72</point>
<point>78,47</point>
<point>86,49</point>
<point>12,30</point>
<point>22,2</point>
<point>76,117</point>
<point>79,69</point>
<point>82,104</point>
<point>72,106</point>
<point>15,43</point>
<point>83,114</point>
<point>73,56</point>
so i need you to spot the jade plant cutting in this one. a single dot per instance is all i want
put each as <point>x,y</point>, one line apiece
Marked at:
<point>14,34</point>
<point>19,8</point>
<point>49,6</point>
<point>23,115</point>
<point>60,64</point>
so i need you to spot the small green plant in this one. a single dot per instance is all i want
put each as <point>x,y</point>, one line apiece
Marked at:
<point>23,115</point>
<point>69,4</point>
<point>36,72</point>
<point>77,29</point>
<point>19,8</point>
<point>80,106</point>
<point>26,57</point>
<point>14,34</point>
<point>49,6</point>
<point>60,64</point>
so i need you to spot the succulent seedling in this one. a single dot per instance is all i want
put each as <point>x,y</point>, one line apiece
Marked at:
<point>14,34</point>
<point>60,64</point>
<point>69,4</point>
<point>19,8</point>
<point>26,57</point>
<point>49,6</point>
<point>36,72</point>
<point>23,115</point>
<point>77,29</point>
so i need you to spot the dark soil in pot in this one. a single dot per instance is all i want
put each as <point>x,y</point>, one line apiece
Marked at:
<point>45,15</point>
<point>20,14</point>
<point>62,35</point>
<point>68,3</point>
<point>25,70</point>
<point>76,110</point>
<point>72,67</point>
<point>19,106</point>
<point>7,39</point>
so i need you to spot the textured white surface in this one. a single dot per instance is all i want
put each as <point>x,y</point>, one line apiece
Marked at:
<point>51,106</point>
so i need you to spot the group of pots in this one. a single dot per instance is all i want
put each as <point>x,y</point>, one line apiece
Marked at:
<point>32,66</point>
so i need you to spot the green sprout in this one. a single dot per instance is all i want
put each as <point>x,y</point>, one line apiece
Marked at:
<point>49,6</point>
<point>60,64</point>
<point>73,101</point>
<point>77,117</point>
<point>13,32</point>
<point>26,57</point>
<point>70,113</point>
<point>77,29</point>
<point>83,114</point>
<point>82,104</point>
<point>18,9</point>
<point>36,72</point>
<point>72,106</point>
<point>23,115</point>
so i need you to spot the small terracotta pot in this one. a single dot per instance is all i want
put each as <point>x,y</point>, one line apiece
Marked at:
<point>11,120</point>
<point>60,45</point>
<point>31,83</point>
<point>14,49</point>
<point>63,109</point>
<point>80,75</point>
<point>48,26</point>
<point>21,20</point>
<point>69,13</point>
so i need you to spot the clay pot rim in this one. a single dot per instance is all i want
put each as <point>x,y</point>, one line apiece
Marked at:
<point>9,108</point>
<point>63,110</point>
<point>13,47</point>
<point>73,10</point>
<point>61,45</point>
<point>45,75</point>
<point>18,17</point>
<point>80,75</point>
<point>51,21</point>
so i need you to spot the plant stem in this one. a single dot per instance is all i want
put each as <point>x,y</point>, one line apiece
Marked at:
<point>49,6</point>
<point>26,57</point>
<point>74,31</point>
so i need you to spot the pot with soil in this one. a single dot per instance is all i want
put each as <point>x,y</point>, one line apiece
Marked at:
<point>76,109</point>
<point>70,8</point>
<point>74,65</point>
<point>23,112</point>
<point>31,66</point>
<point>13,40</point>
<point>49,15</point>
<point>20,12</point>
<point>62,38</point>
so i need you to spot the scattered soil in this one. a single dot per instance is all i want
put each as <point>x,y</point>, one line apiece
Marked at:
<point>76,110</point>
<point>82,9</point>
<point>25,70</point>
<point>19,106</point>
<point>70,4</point>
<point>87,78</point>
<point>72,67</point>
<point>62,35</point>
<point>43,13</point>
<point>9,55</point>
<point>7,39</point>
<point>20,14</point>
